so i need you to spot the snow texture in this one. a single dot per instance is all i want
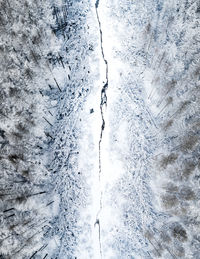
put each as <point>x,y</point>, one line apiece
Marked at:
<point>99,129</point>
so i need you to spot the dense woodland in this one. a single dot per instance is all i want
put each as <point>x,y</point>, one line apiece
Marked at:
<point>50,70</point>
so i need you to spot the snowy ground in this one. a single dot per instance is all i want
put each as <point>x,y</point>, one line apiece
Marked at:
<point>99,129</point>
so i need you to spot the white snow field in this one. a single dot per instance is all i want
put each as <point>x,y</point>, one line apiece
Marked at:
<point>99,129</point>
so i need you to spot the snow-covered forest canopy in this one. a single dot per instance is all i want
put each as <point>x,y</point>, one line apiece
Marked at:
<point>99,129</point>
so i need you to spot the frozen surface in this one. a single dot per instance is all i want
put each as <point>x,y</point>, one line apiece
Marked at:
<point>99,129</point>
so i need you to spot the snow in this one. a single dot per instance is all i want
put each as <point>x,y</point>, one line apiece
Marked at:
<point>99,129</point>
